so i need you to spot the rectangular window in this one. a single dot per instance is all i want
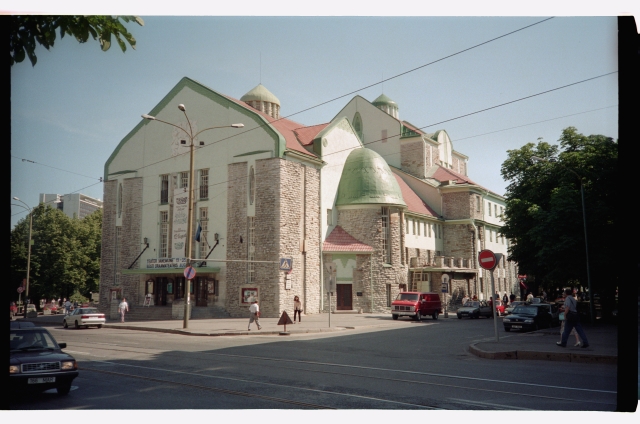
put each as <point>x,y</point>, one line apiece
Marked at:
<point>414,227</point>
<point>406,224</point>
<point>495,209</point>
<point>388,295</point>
<point>430,227</point>
<point>164,234</point>
<point>419,225</point>
<point>164,188</point>
<point>204,184</point>
<point>184,179</point>
<point>204,229</point>
<point>489,207</point>
<point>426,225</point>
<point>478,203</point>
<point>386,235</point>
<point>251,247</point>
<point>490,235</point>
<point>383,136</point>
<point>329,217</point>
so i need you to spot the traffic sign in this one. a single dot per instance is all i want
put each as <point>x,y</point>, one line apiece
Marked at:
<point>487,259</point>
<point>445,288</point>
<point>189,273</point>
<point>20,289</point>
<point>286,264</point>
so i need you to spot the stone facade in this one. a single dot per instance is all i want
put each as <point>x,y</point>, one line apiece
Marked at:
<point>413,154</point>
<point>107,258</point>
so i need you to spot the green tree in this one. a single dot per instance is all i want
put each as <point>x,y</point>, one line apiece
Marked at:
<point>543,216</point>
<point>65,256</point>
<point>28,30</point>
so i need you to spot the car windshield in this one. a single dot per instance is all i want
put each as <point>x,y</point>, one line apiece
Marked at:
<point>407,296</point>
<point>88,311</point>
<point>31,339</point>
<point>525,310</point>
<point>472,304</point>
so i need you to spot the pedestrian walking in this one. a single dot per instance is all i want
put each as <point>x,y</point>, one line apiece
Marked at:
<point>465,299</point>
<point>123,307</point>
<point>573,332</point>
<point>67,307</point>
<point>297,309</point>
<point>505,299</point>
<point>529,298</point>
<point>572,320</point>
<point>512,298</point>
<point>254,315</point>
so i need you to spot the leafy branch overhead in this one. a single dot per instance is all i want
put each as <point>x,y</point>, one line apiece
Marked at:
<point>28,30</point>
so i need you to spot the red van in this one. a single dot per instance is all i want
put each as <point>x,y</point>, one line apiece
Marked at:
<point>416,305</point>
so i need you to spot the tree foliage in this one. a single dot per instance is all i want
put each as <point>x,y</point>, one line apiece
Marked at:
<point>28,30</point>
<point>65,256</point>
<point>543,216</point>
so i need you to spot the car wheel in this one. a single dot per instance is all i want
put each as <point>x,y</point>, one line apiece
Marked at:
<point>435,315</point>
<point>100,326</point>
<point>76,325</point>
<point>418,317</point>
<point>64,324</point>
<point>64,389</point>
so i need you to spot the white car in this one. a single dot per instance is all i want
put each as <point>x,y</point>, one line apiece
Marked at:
<point>84,317</point>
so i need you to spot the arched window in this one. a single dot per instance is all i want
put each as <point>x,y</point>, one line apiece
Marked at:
<point>119,200</point>
<point>357,125</point>
<point>252,186</point>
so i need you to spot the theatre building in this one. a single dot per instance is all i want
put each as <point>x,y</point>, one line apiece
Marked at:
<point>366,202</point>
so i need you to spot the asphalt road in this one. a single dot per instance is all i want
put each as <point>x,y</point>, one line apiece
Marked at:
<point>424,366</point>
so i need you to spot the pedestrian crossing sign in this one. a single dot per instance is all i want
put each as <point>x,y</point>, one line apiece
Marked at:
<point>286,264</point>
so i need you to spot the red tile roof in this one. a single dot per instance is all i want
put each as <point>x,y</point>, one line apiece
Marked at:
<point>414,203</point>
<point>306,135</point>
<point>341,241</point>
<point>444,174</point>
<point>284,126</point>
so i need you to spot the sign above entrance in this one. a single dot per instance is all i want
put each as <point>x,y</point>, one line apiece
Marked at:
<point>167,263</point>
<point>487,259</point>
<point>189,273</point>
<point>286,264</point>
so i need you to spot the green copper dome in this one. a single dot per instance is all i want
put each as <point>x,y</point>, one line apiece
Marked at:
<point>384,100</point>
<point>367,180</point>
<point>260,93</point>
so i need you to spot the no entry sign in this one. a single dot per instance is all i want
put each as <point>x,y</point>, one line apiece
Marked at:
<point>487,259</point>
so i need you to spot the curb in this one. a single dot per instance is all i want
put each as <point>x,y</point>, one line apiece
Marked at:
<point>227,333</point>
<point>545,356</point>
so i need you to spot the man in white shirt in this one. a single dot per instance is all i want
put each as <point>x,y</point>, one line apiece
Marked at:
<point>254,315</point>
<point>122,307</point>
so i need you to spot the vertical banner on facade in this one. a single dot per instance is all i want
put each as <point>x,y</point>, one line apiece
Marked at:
<point>180,216</point>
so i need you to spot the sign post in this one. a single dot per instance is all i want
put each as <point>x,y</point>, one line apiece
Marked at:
<point>445,290</point>
<point>331,285</point>
<point>189,273</point>
<point>488,260</point>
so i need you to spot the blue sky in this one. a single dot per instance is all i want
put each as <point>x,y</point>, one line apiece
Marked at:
<point>71,110</point>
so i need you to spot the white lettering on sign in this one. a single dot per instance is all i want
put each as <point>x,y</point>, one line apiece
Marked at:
<point>486,260</point>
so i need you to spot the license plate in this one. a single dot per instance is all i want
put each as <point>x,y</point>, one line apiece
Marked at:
<point>40,380</point>
<point>516,326</point>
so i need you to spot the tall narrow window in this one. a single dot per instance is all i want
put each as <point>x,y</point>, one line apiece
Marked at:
<point>419,225</point>
<point>204,229</point>
<point>252,185</point>
<point>414,227</point>
<point>204,184</point>
<point>383,136</point>
<point>478,203</point>
<point>388,295</point>
<point>119,200</point>
<point>164,188</point>
<point>429,226</point>
<point>406,225</point>
<point>117,258</point>
<point>495,210</point>
<point>251,247</point>
<point>489,207</point>
<point>164,234</point>
<point>386,235</point>
<point>184,179</point>
<point>357,125</point>
<point>329,217</point>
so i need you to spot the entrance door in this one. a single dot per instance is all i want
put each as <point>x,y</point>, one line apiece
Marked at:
<point>201,291</point>
<point>160,291</point>
<point>343,297</point>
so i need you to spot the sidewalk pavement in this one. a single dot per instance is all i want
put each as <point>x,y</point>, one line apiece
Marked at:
<point>538,345</point>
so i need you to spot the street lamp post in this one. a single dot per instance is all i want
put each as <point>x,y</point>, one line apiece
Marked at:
<point>192,137</point>
<point>28,250</point>
<point>584,221</point>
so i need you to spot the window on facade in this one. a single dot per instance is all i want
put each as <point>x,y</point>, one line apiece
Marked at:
<point>204,229</point>
<point>478,203</point>
<point>388,295</point>
<point>119,200</point>
<point>204,184</point>
<point>414,227</point>
<point>490,235</point>
<point>164,188</point>
<point>329,217</point>
<point>164,234</point>
<point>383,136</point>
<point>429,226</point>
<point>386,235</point>
<point>419,225</point>
<point>406,225</point>
<point>252,185</point>
<point>357,125</point>
<point>495,210</point>
<point>117,258</point>
<point>184,180</point>
<point>489,207</point>
<point>501,211</point>
<point>251,247</point>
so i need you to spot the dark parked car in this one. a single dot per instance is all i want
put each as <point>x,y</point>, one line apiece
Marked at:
<point>509,309</point>
<point>475,309</point>
<point>37,363</point>
<point>528,317</point>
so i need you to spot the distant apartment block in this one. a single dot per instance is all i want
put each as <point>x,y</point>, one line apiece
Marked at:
<point>74,205</point>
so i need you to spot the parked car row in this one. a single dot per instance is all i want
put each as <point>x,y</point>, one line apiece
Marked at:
<point>532,317</point>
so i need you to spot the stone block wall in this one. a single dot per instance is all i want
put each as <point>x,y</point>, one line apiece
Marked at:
<point>311,256</point>
<point>413,155</point>
<point>130,243</point>
<point>237,236</point>
<point>457,205</point>
<point>459,241</point>
<point>107,258</point>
